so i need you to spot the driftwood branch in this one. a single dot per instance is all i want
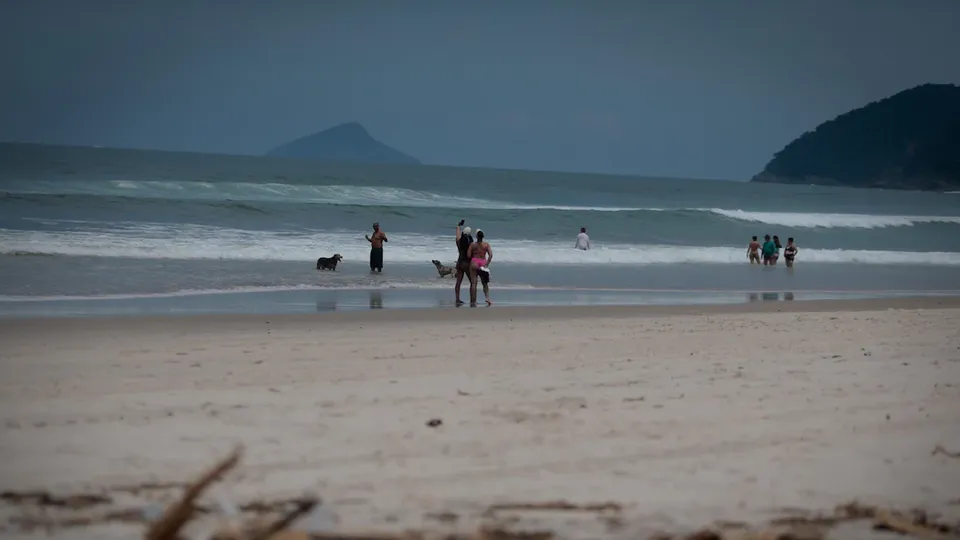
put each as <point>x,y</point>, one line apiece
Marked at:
<point>939,449</point>
<point>169,525</point>
<point>302,509</point>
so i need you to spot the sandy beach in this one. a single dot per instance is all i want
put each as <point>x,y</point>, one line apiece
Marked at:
<point>681,416</point>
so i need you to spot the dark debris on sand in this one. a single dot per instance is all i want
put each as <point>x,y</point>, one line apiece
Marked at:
<point>277,519</point>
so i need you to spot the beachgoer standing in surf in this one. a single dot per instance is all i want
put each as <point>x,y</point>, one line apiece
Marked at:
<point>480,258</point>
<point>790,252</point>
<point>753,249</point>
<point>464,239</point>
<point>767,250</point>
<point>376,248</point>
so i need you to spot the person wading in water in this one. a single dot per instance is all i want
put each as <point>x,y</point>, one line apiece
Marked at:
<point>376,248</point>
<point>480,258</point>
<point>790,252</point>
<point>464,239</point>
<point>753,249</point>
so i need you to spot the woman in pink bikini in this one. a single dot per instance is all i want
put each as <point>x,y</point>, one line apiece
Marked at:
<point>480,258</point>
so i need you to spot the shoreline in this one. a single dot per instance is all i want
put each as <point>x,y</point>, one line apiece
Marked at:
<point>447,287</point>
<point>500,312</point>
<point>364,302</point>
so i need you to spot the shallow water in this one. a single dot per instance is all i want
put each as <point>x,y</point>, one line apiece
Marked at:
<point>79,223</point>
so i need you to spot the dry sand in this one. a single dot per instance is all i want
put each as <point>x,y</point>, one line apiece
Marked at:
<point>683,416</point>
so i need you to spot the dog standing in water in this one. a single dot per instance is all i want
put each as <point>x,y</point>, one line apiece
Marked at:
<point>443,270</point>
<point>329,263</point>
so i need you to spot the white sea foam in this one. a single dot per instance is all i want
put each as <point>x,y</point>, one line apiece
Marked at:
<point>381,285</point>
<point>849,221</point>
<point>162,241</point>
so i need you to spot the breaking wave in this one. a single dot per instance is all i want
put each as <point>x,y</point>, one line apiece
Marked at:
<point>243,196</point>
<point>849,221</point>
<point>345,195</point>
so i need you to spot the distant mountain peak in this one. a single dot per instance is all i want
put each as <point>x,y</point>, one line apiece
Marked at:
<point>346,142</point>
<point>351,128</point>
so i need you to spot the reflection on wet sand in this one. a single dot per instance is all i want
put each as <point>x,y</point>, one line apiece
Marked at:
<point>324,306</point>
<point>769,297</point>
<point>376,299</point>
<point>441,303</point>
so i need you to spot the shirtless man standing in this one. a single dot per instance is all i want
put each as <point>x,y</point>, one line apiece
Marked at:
<point>753,251</point>
<point>376,248</point>
<point>480,257</point>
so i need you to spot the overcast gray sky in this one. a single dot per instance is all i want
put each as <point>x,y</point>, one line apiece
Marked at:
<point>691,88</point>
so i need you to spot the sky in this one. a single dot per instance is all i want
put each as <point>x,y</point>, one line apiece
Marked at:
<point>680,88</point>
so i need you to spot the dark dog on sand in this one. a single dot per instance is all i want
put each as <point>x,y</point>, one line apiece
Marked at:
<point>328,263</point>
<point>442,269</point>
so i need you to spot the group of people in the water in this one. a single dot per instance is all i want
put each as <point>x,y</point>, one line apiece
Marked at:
<point>474,256</point>
<point>768,253</point>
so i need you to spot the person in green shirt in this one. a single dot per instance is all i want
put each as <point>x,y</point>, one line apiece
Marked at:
<point>768,250</point>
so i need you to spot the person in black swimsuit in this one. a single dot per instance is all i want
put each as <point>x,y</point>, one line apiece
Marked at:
<point>790,252</point>
<point>464,239</point>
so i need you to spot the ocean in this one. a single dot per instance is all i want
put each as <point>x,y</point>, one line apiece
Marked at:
<point>88,231</point>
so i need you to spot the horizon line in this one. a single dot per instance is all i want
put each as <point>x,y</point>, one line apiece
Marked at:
<point>330,162</point>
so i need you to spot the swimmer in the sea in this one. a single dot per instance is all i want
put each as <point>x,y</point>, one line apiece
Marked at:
<point>753,251</point>
<point>583,241</point>
<point>767,250</point>
<point>776,254</point>
<point>790,252</point>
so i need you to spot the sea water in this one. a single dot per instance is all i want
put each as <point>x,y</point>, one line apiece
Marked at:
<point>100,231</point>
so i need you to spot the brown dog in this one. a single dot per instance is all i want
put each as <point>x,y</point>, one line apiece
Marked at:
<point>329,263</point>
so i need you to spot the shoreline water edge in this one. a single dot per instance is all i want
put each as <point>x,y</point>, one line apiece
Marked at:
<point>84,223</point>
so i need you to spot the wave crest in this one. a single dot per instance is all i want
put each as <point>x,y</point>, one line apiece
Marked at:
<point>240,196</point>
<point>344,195</point>
<point>818,220</point>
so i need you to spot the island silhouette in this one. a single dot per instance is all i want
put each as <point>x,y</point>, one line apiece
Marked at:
<point>910,140</point>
